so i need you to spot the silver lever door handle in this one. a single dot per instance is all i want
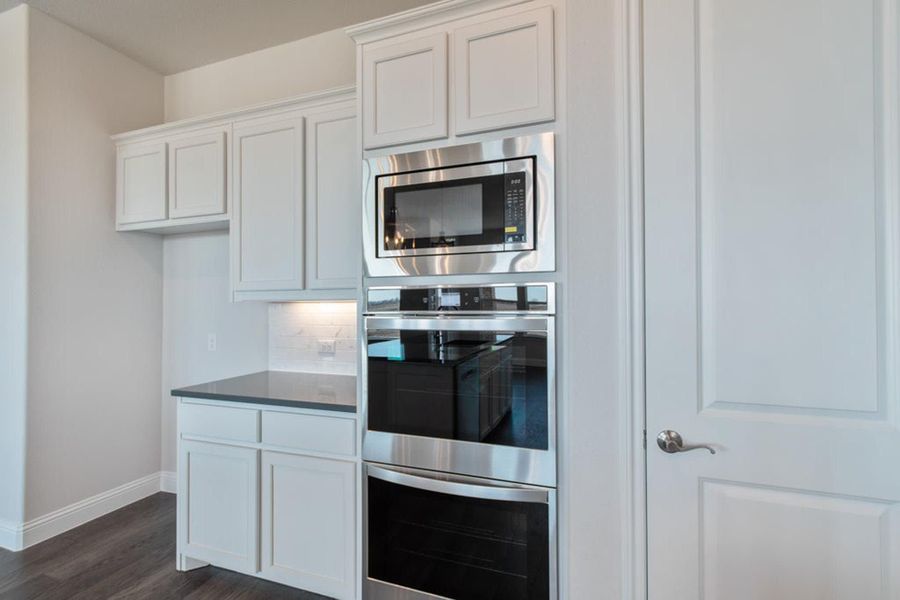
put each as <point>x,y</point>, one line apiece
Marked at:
<point>671,442</point>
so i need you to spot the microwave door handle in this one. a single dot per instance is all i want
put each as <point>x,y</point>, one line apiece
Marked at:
<point>459,488</point>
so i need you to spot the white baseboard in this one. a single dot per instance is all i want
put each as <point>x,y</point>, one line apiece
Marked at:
<point>168,482</point>
<point>14,536</point>
<point>10,535</point>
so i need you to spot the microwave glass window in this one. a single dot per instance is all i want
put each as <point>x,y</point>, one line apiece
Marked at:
<point>487,387</point>
<point>457,215</point>
<point>457,547</point>
<point>438,213</point>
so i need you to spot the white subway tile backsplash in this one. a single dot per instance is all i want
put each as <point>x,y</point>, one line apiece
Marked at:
<point>295,329</point>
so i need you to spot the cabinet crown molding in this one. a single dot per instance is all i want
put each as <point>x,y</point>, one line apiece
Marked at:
<point>347,92</point>
<point>422,17</point>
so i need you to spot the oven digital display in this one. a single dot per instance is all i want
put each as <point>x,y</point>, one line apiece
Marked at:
<point>449,300</point>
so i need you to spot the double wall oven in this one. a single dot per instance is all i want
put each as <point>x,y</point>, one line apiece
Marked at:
<point>475,208</point>
<point>459,442</point>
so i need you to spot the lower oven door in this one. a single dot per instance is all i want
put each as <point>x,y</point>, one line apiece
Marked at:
<point>434,535</point>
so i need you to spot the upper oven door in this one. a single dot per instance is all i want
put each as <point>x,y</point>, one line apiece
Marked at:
<point>469,209</point>
<point>474,396</point>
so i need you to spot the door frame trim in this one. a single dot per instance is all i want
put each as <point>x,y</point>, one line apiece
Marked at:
<point>633,401</point>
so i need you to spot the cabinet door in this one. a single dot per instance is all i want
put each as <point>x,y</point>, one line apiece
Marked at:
<point>218,493</point>
<point>267,217</point>
<point>503,72</point>
<point>197,174</point>
<point>333,200</point>
<point>308,523</point>
<point>404,91</point>
<point>141,183</point>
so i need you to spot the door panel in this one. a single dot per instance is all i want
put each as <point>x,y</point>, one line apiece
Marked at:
<point>771,288</point>
<point>218,499</point>
<point>787,201</point>
<point>197,174</point>
<point>762,542</point>
<point>308,529</point>
<point>405,91</point>
<point>503,72</point>
<point>267,221</point>
<point>333,254</point>
<point>141,183</point>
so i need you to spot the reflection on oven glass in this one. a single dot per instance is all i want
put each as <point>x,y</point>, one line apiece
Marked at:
<point>477,386</point>
<point>457,547</point>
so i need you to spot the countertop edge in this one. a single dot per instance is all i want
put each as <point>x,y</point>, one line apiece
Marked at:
<point>307,404</point>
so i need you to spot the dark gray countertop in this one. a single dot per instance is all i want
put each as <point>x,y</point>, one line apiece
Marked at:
<point>320,391</point>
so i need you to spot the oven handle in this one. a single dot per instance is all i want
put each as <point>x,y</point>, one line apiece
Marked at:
<point>460,487</point>
<point>450,323</point>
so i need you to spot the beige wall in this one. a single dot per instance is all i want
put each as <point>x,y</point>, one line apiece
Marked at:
<point>13,265</point>
<point>95,296</point>
<point>195,304</point>
<point>315,63</point>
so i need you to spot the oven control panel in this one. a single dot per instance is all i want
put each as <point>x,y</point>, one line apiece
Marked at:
<point>515,219</point>
<point>529,298</point>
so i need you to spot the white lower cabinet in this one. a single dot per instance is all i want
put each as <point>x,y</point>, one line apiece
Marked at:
<point>218,504</point>
<point>254,498</point>
<point>308,524</point>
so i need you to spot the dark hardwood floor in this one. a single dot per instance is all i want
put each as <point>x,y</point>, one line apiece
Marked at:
<point>129,554</point>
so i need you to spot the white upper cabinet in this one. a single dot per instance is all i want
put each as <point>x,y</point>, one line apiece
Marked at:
<point>140,183</point>
<point>197,174</point>
<point>267,237</point>
<point>333,207</point>
<point>285,178</point>
<point>503,72</point>
<point>454,69</point>
<point>404,95</point>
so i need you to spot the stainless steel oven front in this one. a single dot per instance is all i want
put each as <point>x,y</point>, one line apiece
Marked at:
<point>462,379</point>
<point>434,535</point>
<point>474,208</point>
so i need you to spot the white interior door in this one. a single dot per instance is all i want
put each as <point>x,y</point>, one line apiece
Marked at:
<point>772,258</point>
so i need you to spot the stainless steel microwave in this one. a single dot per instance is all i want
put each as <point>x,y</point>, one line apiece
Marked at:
<point>476,208</point>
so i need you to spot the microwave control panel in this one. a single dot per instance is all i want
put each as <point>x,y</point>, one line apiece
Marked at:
<point>515,218</point>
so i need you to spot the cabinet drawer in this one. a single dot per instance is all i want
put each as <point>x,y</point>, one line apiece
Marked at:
<point>222,422</point>
<point>311,433</point>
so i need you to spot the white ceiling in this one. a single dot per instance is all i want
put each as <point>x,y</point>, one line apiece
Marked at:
<point>173,35</point>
